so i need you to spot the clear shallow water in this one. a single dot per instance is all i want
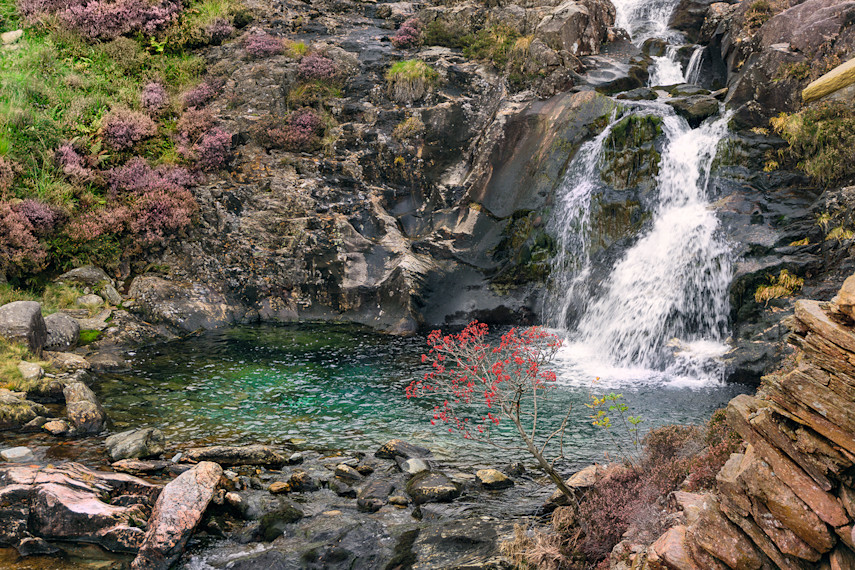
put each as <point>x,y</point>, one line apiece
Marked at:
<point>342,387</point>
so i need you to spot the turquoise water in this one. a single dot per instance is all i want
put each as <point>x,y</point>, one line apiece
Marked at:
<point>342,387</point>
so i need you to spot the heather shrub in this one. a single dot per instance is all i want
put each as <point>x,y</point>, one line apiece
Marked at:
<point>159,212</point>
<point>43,217</point>
<point>20,250</point>
<point>154,97</point>
<point>8,171</point>
<point>103,20</point>
<point>202,93</point>
<point>315,67</point>
<point>607,510</point>
<point>263,45</point>
<point>301,131</point>
<point>72,162</point>
<point>214,149</point>
<point>123,128</point>
<point>220,30</point>
<point>409,35</point>
<point>34,9</point>
<point>410,80</point>
<point>95,223</point>
<point>194,122</point>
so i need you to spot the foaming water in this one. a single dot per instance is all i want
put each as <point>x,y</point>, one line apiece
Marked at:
<point>666,69</point>
<point>660,317</point>
<point>645,19</point>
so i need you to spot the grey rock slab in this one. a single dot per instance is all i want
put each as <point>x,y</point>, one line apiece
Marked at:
<point>63,332</point>
<point>22,321</point>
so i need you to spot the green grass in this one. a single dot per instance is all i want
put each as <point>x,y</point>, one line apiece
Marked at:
<point>88,336</point>
<point>494,44</point>
<point>821,142</point>
<point>409,80</point>
<point>53,297</point>
<point>784,285</point>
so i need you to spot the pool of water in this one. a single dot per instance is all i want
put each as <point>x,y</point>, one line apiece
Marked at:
<point>342,387</point>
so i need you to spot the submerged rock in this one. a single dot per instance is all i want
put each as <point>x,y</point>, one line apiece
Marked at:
<point>228,455</point>
<point>176,515</point>
<point>273,524</point>
<point>18,455</point>
<point>135,444</point>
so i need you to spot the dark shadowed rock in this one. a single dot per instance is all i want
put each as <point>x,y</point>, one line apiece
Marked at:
<point>62,332</point>
<point>432,487</point>
<point>273,524</point>
<point>374,495</point>
<point>176,515</point>
<point>135,444</point>
<point>228,455</point>
<point>400,448</point>
<point>695,108</point>
<point>22,321</point>
<point>83,409</point>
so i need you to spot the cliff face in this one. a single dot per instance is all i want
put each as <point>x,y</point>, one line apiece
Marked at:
<point>788,500</point>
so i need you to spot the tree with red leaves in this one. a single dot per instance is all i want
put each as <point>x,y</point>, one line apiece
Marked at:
<point>481,384</point>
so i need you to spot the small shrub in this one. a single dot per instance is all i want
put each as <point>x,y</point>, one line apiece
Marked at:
<point>154,97</point>
<point>220,30</point>
<point>159,212</point>
<point>214,149</point>
<point>312,94</point>
<point>821,141</point>
<point>437,33</point>
<point>759,12</point>
<point>20,250</point>
<point>263,45</point>
<point>784,285</point>
<point>316,67</point>
<point>8,171</point>
<point>202,93</point>
<point>410,128</point>
<point>43,217</point>
<point>493,44</point>
<point>95,223</point>
<point>410,80</point>
<point>300,131</point>
<point>195,122</point>
<point>103,20</point>
<point>123,128</point>
<point>409,35</point>
<point>297,50</point>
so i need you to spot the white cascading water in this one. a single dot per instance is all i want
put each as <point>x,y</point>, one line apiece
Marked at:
<point>693,68</point>
<point>662,311</point>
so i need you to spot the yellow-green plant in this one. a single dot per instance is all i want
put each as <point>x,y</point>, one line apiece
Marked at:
<point>784,284</point>
<point>609,407</point>
<point>410,80</point>
<point>409,128</point>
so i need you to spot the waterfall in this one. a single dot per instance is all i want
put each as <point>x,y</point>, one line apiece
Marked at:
<point>664,304</point>
<point>666,70</point>
<point>693,68</point>
<point>645,19</point>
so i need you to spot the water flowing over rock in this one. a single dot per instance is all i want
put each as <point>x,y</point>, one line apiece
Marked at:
<point>176,514</point>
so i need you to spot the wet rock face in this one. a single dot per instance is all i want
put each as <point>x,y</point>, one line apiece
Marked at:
<point>577,27</point>
<point>72,502</point>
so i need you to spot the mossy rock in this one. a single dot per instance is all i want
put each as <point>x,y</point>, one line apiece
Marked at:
<point>631,159</point>
<point>525,250</point>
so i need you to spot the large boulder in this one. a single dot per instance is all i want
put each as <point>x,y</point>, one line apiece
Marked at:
<point>63,332</point>
<point>135,444</point>
<point>229,455</point>
<point>176,515</point>
<point>186,306</point>
<point>83,409</point>
<point>689,15</point>
<point>695,108</point>
<point>72,502</point>
<point>577,27</point>
<point>86,276</point>
<point>22,321</point>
